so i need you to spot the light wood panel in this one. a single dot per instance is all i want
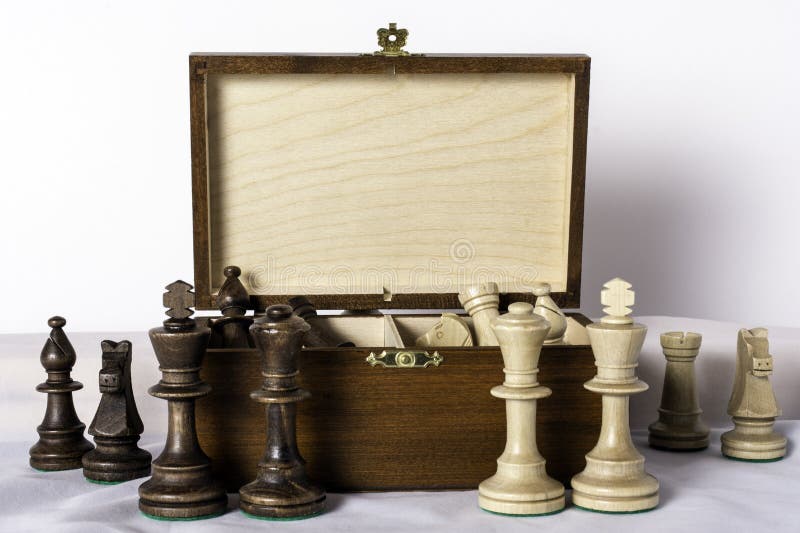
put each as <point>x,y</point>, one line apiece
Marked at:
<point>390,184</point>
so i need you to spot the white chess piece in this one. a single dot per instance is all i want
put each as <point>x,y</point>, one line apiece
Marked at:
<point>482,302</point>
<point>451,330</point>
<point>679,425</point>
<point>546,308</point>
<point>521,485</point>
<point>753,405</point>
<point>614,479</point>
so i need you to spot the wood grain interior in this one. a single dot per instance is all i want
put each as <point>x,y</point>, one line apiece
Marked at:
<point>390,183</point>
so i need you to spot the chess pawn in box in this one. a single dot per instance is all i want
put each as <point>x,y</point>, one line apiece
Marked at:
<point>392,181</point>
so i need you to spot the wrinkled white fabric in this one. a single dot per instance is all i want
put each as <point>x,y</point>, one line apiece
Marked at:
<point>700,491</point>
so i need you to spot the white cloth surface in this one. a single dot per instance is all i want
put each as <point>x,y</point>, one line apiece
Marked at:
<point>700,491</point>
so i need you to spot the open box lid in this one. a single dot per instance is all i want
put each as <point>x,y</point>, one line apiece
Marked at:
<point>374,182</point>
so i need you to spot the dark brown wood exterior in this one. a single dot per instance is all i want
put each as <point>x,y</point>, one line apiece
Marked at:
<point>368,428</point>
<point>201,65</point>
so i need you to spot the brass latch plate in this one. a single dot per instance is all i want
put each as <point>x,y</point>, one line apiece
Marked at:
<point>404,359</point>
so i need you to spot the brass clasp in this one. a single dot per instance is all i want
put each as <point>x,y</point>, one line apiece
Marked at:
<point>404,359</point>
<point>392,41</point>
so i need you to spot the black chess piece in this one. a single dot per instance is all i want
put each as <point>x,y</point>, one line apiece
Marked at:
<point>116,426</point>
<point>231,330</point>
<point>281,489</point>
<point>316,337</point>
<point>182,487</point>
<point>61,442</point>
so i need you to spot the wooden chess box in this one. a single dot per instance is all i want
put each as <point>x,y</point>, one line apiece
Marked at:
<point>372,183</point>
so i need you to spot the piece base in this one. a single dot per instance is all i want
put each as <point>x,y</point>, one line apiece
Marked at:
<point>678,444</point>
<point>679,450</point>
<point>281,519</point>
<point>182,492</point>
<point>180,519</point>
<point>522,508</point>
<point>756,450</point>
<point>283,512</point>
<point>114,477</point>
<point>197,511</point>
<point>688,436</point>
<point>614,505</point>
<point>744,460</point>
<point>613,512</point>
<point>52,465</point>
<point>100,482</point>
<point>62,453</point>
<point>521,515</point>
<point>129,462</point>
<point>615,494</point>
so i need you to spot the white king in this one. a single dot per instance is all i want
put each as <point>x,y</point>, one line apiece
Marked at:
<point>614,479</point>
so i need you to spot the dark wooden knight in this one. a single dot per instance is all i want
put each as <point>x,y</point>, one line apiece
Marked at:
<point>116,426</point>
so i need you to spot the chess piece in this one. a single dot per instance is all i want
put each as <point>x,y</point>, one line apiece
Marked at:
<point>116,426</point>
<point>482,302</point>
<point>316,337</point>
<point>521,485</point>
<point>753,405</point>
<point>61,442</point>
<point>614,479</point>
<point>182,486</point>
<point>547,309</point>
<point>451,330</point>
<point>679,426</point>
<point>231,330</point>
<point>281,489</point>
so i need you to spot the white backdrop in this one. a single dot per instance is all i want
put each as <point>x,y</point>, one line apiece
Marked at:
<point>692,163</point>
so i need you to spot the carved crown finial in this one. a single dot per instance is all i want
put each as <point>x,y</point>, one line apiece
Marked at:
<point>617,296</point>
<point>179,300</point>
<point>392,41</point>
